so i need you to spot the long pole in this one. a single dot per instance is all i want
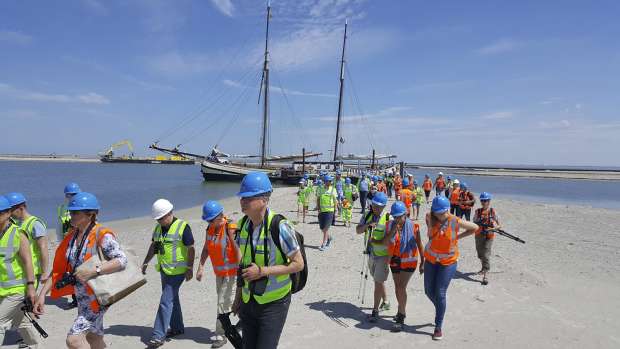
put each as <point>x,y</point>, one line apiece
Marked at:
<point>263,153</point>
<point>344,43</point>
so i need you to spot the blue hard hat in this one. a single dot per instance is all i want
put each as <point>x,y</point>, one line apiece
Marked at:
<point>380,178</point>
<point>15,199</point>
<point>338,172</point>
<point>485,196</point>
<point>405,182</point>
<point>211,209</point>
<point>398,209</point>
<point>347,180</point>
<point>4,204</point>
<point>448,177</point>
<point>319,182</point>
<point>72,188</point>
<point>375,178</point>
<point>440,204</point>
<point>328,178</point>
<point>83,201</point>
<point>426,175</point>
<point>255,183</point>
<point>463,186</point>
<point>380,199</point>
<point>415,182</point>
<point>306,176</point>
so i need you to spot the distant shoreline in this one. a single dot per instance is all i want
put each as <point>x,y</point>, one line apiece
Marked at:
<point>48,157</point>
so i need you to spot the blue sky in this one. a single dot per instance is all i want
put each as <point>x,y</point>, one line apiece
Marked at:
<point>520,82</point>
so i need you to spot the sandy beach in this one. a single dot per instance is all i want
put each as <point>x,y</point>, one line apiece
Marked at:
<point>559,290</point>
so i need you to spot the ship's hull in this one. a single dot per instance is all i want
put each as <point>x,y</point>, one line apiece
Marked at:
<point>212,171</point>
<point>148,161</point>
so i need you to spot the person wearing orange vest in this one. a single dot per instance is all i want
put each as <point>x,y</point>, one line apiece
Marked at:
<point>487,219</point>
<point>407,196</point>
<point>440,184</point>
<point>441,255</point>
<point>381,186</point>
<point>220,246</point>
<point>404,247</point>
<point>427,185</point>
<point>454,198</point>
<point>82,241</point>
<point>410,178</point>
<point>398,186</point>
<point>466,201</point>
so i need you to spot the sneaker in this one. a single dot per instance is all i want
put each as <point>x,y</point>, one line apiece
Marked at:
<point>219,342</point>
<point>155,343</point>
<point>384,306</point>
<point>171,333</point>
<point>322,248</point>
<point>329,241</point>
<point>374,316</point>
<point>437,335</point>
<point>399,322</point>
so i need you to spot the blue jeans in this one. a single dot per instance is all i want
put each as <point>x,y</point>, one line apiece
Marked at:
<point>437,278</point>
<point>363,196</point>
<point>169,314</point>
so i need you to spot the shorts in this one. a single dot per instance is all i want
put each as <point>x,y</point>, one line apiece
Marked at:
<point>378,267</point>
<point>396,268</point>
<point>325,220</point>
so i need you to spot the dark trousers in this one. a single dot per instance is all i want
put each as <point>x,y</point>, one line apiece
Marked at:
<point>363,196</point>
<point>263,323</point>
<point>465,213</point>
<point>389,189</point>
<point>455,210</point>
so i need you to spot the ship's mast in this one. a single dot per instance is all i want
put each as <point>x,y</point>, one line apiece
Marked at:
<point>265,87</point>
<point>344,43</point>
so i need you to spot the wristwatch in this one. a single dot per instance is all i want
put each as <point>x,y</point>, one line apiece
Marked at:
<point>98,269</point>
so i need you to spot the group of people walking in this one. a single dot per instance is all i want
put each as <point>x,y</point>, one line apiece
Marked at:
<point>253,258</point>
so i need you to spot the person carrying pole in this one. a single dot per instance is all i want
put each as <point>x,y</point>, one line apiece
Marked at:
<point>221,248</point>
<point>17,279</point>
<point>487,219</point>
<point>404,247</point>
<point>373,226</point>
<point>441,255</point>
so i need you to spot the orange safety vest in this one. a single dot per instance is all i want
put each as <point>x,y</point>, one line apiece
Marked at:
<point>406,197</point>
<point>454,196</point>
<point>466,196</point>
<point>381,187</point>
<point>398,184</point>
<point>443,247</point>
<point>62,265</point>
<point>486,218</point>
<point>222,250</point>
<point>408,259</point>
<point>427,185</point>
<point>440,183</point>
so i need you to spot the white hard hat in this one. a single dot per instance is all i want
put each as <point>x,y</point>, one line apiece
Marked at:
<point>441,173</point>
<point>160,208</point>
<point>456,181</point>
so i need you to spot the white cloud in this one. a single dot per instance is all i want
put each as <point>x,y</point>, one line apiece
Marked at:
<point>281,90</point>
<point>500,115</point>
<point>555,125</point>
<point>500,46</point>
<point>96,7</point>
<point>224,6</point>
<point>89,98</point>
<point>14,37</point>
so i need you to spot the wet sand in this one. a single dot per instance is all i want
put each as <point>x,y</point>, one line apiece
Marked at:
<point>559,290</point>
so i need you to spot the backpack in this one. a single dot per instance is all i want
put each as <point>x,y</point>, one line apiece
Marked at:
<point>299,278</point>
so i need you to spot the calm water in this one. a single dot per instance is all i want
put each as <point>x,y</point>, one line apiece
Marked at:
<point>604,194</point>
<point>123,190</point>
<point>128,190</point>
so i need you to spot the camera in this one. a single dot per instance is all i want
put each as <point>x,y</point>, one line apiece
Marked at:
<point>67,279</point>
<point>257,287</point>
<point>159,248</point>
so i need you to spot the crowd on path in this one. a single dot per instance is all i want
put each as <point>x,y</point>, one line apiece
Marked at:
<point>258,260</point>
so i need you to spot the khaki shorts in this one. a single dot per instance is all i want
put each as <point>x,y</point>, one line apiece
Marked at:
<point>379,268</point>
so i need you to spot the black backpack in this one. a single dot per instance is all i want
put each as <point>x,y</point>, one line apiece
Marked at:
<point>299,278</point>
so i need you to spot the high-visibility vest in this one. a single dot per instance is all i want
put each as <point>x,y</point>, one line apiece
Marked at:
<point>327,200</point>
<point>62,265</point>
<point>487,218</point>
<point>442,247</point>
<point>427,185</point>
<point>408,259</point>
<point>454,196</point>
<point>12,272</point>
<point>465,196</point>
<point>222,249</point>
<point>277,286</point>
<point>378,248</point>
<point>64,217</point>
<point>28,227</point>
<point>174,259</point>
<point>348,190</point>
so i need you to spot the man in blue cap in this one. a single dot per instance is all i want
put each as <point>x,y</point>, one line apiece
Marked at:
<point>263,284</point>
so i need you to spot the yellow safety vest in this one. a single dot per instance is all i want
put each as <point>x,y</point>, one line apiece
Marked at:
<point>327,200</point>
<point>277,286</point>
<point>174,259</point>
<point>64,217</point>
<point>28,226</point>
<point>378,249</point>
<point>12,272</point>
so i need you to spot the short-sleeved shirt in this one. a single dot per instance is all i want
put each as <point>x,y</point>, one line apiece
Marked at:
<point>363,185</point>
<point>288,241</point>
<point>38,230</point>
<point>188,237</point>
